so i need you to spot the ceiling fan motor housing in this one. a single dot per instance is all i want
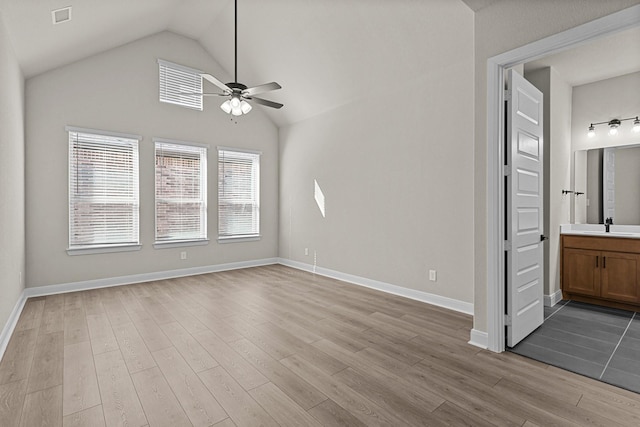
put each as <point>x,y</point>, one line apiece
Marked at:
<point>237,87</point>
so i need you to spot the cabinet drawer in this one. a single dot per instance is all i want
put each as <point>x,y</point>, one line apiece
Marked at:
<point>615,244</point>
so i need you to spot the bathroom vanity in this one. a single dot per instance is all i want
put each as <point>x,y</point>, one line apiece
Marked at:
<point>601,268</point>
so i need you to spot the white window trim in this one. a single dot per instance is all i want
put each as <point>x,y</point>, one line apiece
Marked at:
<point>180,243</point>
<point>166,244</point>
<point>178,66</point>
<point>114,248</point>
<point>239,150</point>
<point>237,239</point>
<point>103,249</point>
<point>179,142</point>
<point>103,132</point>
<point>186,69</point>
<point>240,238</point>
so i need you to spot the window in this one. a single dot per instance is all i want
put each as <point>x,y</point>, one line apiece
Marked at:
<point>181,192</point>
<point>177,81</point>
<point>238,194</point>
<point>104,204</point>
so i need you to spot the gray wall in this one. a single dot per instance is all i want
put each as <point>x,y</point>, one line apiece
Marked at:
<point>12,189</point>
<point>501,27</point>
<point>118,91</point>
<point>600,102</point>
<point>396,170</point>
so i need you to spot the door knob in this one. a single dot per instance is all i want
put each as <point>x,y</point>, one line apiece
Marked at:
<point>543,237</point>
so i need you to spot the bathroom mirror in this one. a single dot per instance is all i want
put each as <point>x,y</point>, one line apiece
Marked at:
<point>610,179</point>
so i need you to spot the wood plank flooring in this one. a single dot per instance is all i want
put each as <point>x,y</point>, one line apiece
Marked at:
<point>274,346</point>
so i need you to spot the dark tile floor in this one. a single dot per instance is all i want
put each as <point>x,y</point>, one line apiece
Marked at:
<point>599,342</point>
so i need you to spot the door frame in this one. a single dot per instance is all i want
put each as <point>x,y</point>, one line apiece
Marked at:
<point>496,67</point>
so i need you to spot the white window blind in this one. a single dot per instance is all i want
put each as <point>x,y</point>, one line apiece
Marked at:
<point>176,81</point>
<point>103,190</point>
<point>181,192</point>
<point>238,194</point>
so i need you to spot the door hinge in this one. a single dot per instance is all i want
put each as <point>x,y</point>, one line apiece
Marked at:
<point>507,245</point>
<point>506,170</point>
<point>507,93</point>
<point>507,320</point>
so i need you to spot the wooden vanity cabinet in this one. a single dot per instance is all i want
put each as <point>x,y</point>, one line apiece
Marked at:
<point>619,276</point>
<point>601,270</point>
<point>581,272</point>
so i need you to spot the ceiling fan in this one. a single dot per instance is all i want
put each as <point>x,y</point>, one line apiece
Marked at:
<point>239,93</point>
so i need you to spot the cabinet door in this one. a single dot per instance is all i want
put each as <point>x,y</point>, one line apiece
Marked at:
<point>619,276</point>
<point>581,271</point>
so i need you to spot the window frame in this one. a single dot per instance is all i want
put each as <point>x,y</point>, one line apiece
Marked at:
<point>256,179</point>
<point>172,243</point>
<point>193,102</point>
<point>84,249</point>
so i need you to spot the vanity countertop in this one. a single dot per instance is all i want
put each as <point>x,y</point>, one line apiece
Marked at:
<point>598,230</point>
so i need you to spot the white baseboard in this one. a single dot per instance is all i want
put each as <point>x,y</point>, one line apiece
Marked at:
<point>479,338</point>
<point>553,299</point>
<point>140,278</point>
<point>10,326</point>
<point>450,303</point>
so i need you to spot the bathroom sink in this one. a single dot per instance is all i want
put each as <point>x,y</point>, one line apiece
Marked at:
<point>602,233</point>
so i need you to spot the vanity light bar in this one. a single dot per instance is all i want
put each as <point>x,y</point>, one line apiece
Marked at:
<point>614,124</point>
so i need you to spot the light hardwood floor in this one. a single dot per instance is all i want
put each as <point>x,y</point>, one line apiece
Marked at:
<point>275,346</point>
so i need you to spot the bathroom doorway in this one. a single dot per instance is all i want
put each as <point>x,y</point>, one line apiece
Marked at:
<point>497,66</point>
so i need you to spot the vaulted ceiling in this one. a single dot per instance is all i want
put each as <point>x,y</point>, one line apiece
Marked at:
<point>325,53</point>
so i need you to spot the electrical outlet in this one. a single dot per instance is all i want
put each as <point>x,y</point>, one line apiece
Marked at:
<point>20,277</point>
<point>183,255</point>
<point>432,275</point>
<point>306,251</point>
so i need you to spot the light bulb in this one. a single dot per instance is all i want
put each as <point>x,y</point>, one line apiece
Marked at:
<point>235,102</point>
<point>636,125</point>
<point>613,127</point>
<point>592,132</point>
<point>226,106</point>
<point>236,111</point>
<point>245,106</point>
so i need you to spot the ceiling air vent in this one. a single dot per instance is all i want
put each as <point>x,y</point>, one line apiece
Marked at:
<point>61,15</point>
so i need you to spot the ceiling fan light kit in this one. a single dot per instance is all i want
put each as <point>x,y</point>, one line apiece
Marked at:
<point>239,94</point>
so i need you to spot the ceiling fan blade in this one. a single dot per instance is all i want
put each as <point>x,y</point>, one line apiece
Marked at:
<point>266,103</point>
<point>203,94</point>
<point>216,82</point>
<point>261,89</point>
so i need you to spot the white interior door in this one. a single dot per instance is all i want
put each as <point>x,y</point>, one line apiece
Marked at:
<point>524,248</point>
<point>609,183</point>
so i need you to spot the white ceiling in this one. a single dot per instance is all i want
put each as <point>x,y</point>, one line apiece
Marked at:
<point>476,5</point>
<point>604,58</point>
<point>325,53</point>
